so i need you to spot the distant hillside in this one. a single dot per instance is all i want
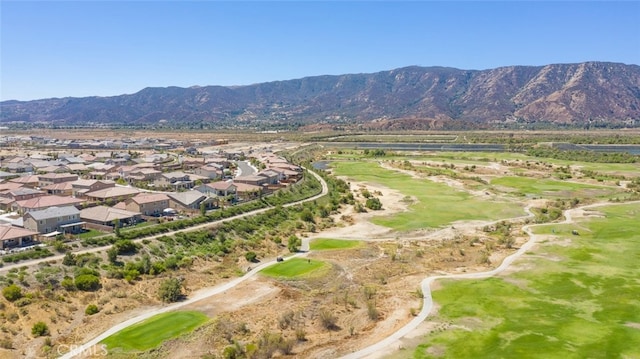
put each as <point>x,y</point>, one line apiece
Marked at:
<point>596,93</point>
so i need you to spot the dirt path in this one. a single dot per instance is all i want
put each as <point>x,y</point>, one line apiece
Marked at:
<point>391,343</point>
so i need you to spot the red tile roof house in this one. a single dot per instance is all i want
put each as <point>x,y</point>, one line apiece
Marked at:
<point>44,202</point>
<point>11,236</point>
<point>27,181</point>
<point>149,204</point>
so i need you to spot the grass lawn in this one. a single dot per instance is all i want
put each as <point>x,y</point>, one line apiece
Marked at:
<point>577,300</point>
<point>155,330</point>
<point>553,188</point>
<point>296,268</point>
<point>328,243</point>
<point>437,204</point>
<point>91,233</point>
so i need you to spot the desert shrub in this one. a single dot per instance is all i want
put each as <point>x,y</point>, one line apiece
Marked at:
<point>91,309</point>
<point>170,290</point>
<point>328,319</point>
<point>12,292</point>
<point>372,311</point>
<point>69,259</point>
<point>250,256</point>
<point>373,203</point>
<point>40,329</point>
<point>6,343</point>
<point>87,282</point>
<point>67,283</point>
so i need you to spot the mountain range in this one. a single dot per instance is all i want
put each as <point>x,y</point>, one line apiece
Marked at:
<point>583,94</point>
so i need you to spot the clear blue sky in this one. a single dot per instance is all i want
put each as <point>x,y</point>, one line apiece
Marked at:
<point>85,48</point>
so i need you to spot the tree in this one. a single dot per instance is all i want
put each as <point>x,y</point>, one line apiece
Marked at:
<point>294,243</point>
<point>116,227</point>
<point>203,209</point>
<point>40,329</point>
<point>170,290</point>
<point>12,292</point>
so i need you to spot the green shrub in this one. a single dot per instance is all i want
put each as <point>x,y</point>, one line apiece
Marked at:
<point>170,290</point>
<point>250,256</point>
<point>12,292</point>
<point>87,282</point>
<point>67,283</point>
<point>91,309</point>
<point>373,203</point>
<point>40,329</point>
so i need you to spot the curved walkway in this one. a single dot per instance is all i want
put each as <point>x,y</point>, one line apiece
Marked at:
<point>199,295</point>
<point>426,285</point>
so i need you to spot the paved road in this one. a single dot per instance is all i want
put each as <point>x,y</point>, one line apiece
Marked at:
<point>202,294</point>
<point>245,169</point>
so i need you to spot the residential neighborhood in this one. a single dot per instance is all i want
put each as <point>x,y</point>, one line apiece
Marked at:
<point>63,193</point>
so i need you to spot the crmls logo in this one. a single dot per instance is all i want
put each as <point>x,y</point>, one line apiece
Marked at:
<point>78,350</point>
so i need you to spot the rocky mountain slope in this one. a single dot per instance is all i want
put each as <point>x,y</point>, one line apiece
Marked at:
<point>600,93</point>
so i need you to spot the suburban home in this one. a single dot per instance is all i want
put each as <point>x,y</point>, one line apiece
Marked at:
<point>209,171</point>
<point>63,220</point>
<point>189,163</point>
<point>44,202</point>
<point>191,200</point>
<point>149,204</point>
<point>101,170</point>
<point>18,167</point>
<point>174,180</point>
<point>12,236</point>
<point>70,159</point>
<point>6,204</point>
<point>221,161</point>
<point>31,181</point>
<point>77,168</point>
<point>141,174</point>
<point>273,176</point>
<point>247,192</point>
<point>220,189</point>
<point>52,169</point>
<point>7,186</point>
<point>107,216</point>
<point>253,180</point>
<point>53,178</point>
<point>60,189</point>
<point>82,186</point>
<point>7,175</point>
<point>112,194</point>
<point>22,193</point>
